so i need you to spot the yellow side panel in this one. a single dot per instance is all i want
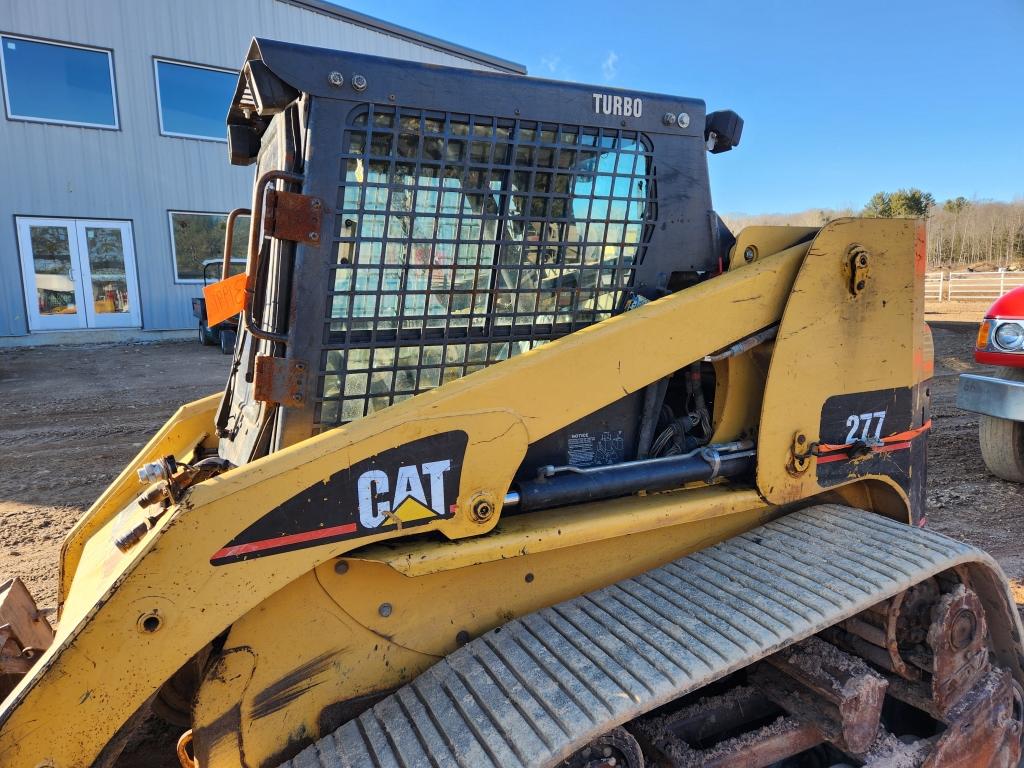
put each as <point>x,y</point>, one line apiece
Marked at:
<point>358,626</point>
<point>835,338</point>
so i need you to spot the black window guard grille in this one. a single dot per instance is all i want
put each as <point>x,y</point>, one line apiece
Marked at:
<point>462,240</point>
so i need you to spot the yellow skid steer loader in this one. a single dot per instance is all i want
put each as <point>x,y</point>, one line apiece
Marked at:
<point>525,460</point>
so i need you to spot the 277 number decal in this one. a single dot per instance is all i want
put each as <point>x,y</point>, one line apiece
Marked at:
<point>868,424</point>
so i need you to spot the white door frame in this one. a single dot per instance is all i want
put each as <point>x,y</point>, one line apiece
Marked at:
<point>36,320</point>
<point>81,275</point>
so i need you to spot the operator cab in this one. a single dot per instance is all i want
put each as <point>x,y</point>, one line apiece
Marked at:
<point>421,223</point>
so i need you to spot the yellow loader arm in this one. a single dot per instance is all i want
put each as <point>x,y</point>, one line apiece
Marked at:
<point>131,618</point>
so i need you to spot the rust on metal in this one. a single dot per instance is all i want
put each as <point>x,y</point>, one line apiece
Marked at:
<point>13,660</point>
<point>24,634</point>
<point>878,633</point>
<point>280,380</point>
<point>229,237</point>
<point>709,717</point>
<point>27,622</point>
<point>293,216</point>
<point>983,729</point>
<point>819,684</point>
<point>755,749</point>
<point>739,728</point>
<point>958,638</point>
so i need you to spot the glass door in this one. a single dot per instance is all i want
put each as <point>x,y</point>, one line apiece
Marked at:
<point>108,274</point>
<point>49,266</point>
<point>78,274</point>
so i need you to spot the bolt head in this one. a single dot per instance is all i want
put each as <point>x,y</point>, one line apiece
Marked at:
<point>482,510</point>
<point>384,609</point>
<point>749,253</point>
<point>336,79</point>
<point>314,236</point>
<point>341,567</point>
<point>668,119</point>
<point>962,629</point>
<point>359,82</point>
<point>683,120</point>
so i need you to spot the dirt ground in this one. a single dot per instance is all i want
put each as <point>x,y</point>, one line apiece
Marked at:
<point>964,500</point>
<point>72,417</point>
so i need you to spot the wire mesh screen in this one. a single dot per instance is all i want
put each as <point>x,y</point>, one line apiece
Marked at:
<point>463,240</point>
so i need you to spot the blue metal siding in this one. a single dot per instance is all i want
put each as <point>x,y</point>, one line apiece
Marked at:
<point>134,173</point>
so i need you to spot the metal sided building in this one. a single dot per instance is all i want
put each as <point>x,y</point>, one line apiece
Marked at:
<point>116,181</point>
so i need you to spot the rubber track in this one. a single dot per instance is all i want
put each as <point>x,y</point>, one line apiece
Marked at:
<point>533,691</point>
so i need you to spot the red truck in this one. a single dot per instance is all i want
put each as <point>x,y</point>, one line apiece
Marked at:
<point>999,398</point>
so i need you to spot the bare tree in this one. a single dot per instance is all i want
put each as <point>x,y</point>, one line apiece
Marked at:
<point>962,233</point>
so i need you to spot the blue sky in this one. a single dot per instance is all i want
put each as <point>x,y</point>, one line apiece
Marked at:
<point>840,99</point>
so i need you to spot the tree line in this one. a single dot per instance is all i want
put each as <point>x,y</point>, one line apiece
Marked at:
<point>962,233</point>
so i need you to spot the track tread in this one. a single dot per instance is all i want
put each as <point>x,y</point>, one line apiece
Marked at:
<point>536,689</point>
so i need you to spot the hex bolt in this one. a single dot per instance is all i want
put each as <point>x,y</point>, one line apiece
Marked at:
<point>860,285</point>
<point>341,567</point>
<point>668,119</point>
<point>314,236</point>
<point>462,637</point>
<point>863,260</point>
<point>359,82</point>
<point>384,610</point>
<point>683,120</point>
<point>749,253</point>
<point>482,510</point>
<point>336,79</point>
<point>801,439</point>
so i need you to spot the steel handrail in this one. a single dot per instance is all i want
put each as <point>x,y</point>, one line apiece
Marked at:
<point>229,235</point>
<point>255,240</point>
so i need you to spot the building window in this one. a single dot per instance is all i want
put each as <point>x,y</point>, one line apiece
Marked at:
<point>198,238</point>
<point>193,101</point>
<point>58,83</point>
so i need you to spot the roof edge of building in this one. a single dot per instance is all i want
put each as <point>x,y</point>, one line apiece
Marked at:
<point>371,22</point>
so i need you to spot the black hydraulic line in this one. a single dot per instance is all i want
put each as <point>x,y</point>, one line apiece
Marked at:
<point>654,396</point>
<point>573,486</point>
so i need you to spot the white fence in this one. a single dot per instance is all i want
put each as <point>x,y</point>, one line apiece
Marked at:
<point>970,286</point>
